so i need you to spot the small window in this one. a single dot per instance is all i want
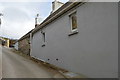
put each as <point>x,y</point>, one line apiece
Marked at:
<point>73,21</point>
<point>43,37</point>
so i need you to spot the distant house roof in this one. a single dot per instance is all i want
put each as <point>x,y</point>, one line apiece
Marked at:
<point>66,7</point>
<point>26,35</point>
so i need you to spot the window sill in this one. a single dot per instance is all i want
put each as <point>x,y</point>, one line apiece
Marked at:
<point>43,45</point>
<point>73,33</point>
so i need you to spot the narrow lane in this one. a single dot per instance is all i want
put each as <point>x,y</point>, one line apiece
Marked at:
<point>15,66</point>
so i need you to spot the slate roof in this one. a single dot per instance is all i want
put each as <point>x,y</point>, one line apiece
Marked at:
<point>63,9</point>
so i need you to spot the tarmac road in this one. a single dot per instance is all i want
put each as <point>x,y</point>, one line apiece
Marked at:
<point>16,66</point>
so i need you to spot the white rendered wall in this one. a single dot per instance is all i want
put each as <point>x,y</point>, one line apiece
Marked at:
<point>92,52</point>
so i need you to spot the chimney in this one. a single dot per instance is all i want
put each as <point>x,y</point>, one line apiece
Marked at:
<point>37,20</point>
<point>56,5</point>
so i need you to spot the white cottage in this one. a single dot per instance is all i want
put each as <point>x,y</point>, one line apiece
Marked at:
<point>80,37</point>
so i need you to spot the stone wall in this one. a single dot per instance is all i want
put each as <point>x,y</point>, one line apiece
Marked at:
<point>24,46</point>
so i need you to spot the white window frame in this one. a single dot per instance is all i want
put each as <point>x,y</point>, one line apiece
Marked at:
<point>73,31</point>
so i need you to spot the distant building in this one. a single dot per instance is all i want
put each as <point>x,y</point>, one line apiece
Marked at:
<point>7,42</point>
<point>12,42</point>
<point>2,41</point>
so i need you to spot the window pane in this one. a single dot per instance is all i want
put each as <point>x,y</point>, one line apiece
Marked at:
<point>44,36</point>
<point>74,22</point>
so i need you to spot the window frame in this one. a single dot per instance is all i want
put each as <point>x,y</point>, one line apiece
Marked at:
<point>73,31</point>
<point>43,38</point>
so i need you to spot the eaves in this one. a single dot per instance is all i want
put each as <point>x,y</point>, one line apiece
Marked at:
<point>66,7</point>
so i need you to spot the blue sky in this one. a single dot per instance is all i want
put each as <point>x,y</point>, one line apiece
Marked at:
<point>19,17</point>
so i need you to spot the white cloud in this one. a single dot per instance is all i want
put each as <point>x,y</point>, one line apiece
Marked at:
<point>1,8</point>
<point>19,17</point>
<point>17,20</point>
<point>16,29</point>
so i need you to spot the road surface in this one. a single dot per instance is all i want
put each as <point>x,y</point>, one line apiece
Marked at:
<point>16,66</point>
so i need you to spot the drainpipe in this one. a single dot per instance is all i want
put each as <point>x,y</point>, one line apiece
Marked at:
<point>30,43</point>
